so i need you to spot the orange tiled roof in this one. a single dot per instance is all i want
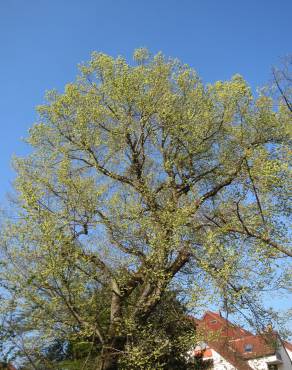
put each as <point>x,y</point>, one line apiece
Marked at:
<point>262,345</point>
<point>230,340</point>
<point>228,354</point>
<point>214,322</point>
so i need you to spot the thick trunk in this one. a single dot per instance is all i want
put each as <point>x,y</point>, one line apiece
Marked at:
<point>111,353</point>
<point>115,343</point>
<point>109,362</point>
<point>150,297</point>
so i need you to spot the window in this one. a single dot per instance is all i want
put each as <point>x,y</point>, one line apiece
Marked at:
<point>213,322</point>
<point>248,348</point>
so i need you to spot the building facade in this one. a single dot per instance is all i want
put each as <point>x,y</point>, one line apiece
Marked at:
<point>231,347</point>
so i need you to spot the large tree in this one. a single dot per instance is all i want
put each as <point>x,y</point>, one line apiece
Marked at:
<point>140,178</point>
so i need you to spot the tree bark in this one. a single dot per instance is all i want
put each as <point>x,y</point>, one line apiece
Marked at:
<point>111,353</point>
<point>150,297</point>
<point>115,342</point>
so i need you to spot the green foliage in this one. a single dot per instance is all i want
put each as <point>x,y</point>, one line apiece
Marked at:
<point>200,364</point>
<point>142,178</point>
<point>161,341</point>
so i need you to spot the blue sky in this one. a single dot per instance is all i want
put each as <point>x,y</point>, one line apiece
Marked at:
<point>42,41</point>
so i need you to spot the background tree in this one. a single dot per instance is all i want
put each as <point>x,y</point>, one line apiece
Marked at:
<point>140,179</point>
<point>282,79</point>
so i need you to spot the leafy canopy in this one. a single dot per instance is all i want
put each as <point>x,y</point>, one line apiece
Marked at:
<point>142,178</point>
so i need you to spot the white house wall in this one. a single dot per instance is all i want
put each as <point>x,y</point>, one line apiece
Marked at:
<point>261,363</point>
<point>257,364</point>
<point>220,363</point>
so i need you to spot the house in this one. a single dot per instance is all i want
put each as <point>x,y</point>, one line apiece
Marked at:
<point>231,347</point>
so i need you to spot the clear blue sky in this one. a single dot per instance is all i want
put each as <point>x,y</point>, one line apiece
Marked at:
<point>42,41</point>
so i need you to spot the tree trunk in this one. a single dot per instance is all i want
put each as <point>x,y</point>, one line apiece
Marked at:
<point>111,352</point>
<point>108,364</point>
<point>150,297</point>
<point>115,342</point>
<point>109,360</point>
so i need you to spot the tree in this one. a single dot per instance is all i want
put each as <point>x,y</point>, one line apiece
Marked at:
<point>282,79</point>
<point>142,178</point>
<point>162,342</point>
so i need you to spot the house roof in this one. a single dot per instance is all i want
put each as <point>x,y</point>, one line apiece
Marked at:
<point>232,341</point>
<point>214,322</point>
<point>228,354</point>
<point>261,346</point>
